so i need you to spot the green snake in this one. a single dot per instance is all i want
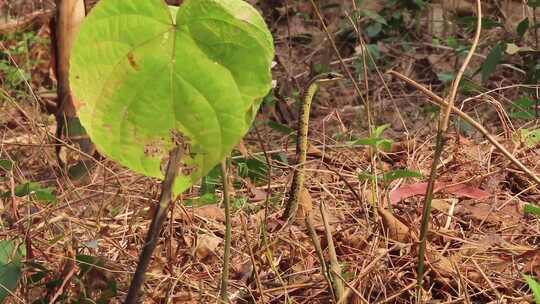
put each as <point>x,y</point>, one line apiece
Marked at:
<point>302,141</point>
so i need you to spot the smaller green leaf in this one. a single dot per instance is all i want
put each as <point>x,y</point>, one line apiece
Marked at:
<point>532,209</point>
<point>281,157</point>
<point>452,42</point>
<point>380,129</point>
<point>281,128</point>
<point>385,144</point>
<point>88,262</point>
<point>211,181</point>
<point>470,22</point>
<point>530,138</point>
<point>493,59</point>
<point>38,276</point>
<point>533,3</point>
<point>446,77</point>
<point>535,287</point>
<point>203,200</point>
<point>401,173</point>
<point>254,168</point>
<point>523,108</point>
<point>374,16</point>
<point>6,164</point>
<point>10,267</point>
<point>375,140</point>
<point>26,188</point>
<point>364,176</point>
<point>374,29</point>
<point>45,195</point>
<point>522,27</point>
<point>239,203</point>
<point>364,142</point>
<point>36,191</point>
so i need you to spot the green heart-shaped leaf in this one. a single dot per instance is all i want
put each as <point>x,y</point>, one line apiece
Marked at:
<point>144,79</point>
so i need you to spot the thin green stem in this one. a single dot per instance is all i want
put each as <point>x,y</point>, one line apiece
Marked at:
<point>441,134</point>
<point>228,231</point>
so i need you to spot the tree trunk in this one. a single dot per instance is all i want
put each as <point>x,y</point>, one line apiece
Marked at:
<point>69,16</point>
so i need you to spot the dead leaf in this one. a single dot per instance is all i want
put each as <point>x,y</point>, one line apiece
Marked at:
<point>443,205</point>
<point>441,264</point>
<point>509,215</point>
<point>305,205</point>
<point>396,229</point>
<point>206,246</point>
<point>211,212</point>
<point>415,189</point>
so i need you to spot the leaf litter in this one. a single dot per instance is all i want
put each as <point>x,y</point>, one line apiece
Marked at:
<point>480,240</point>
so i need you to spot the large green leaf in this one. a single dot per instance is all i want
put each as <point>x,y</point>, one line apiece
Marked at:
<point>10,267</point>
<point>145,78</point>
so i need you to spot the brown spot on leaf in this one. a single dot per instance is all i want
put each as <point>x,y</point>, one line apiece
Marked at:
<point>153,149</point>
<point>132,61</point>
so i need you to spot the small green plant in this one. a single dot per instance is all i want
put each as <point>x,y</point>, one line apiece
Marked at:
<point>33,190</point>
<point>13,77</point>
<point>378,142</point>
<point>169,91</point>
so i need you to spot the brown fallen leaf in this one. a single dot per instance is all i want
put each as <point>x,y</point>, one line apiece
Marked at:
<point>211,212</point>
<point>206,246</point>
<point>440,264</point>
<point>509,215</point>
<point>305,205</point>
<point>397,231</point>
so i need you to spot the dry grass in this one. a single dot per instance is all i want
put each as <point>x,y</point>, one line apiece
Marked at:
<point>478,248</point>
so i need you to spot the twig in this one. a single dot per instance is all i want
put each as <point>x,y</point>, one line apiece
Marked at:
<point>252,257</point>
<point>66,279</point>
<point>437,100</point>
<point>335,269</point>
<point>441,138</point>
<point>227,250</point>
<point>165,200</point>
<point>41,16</point>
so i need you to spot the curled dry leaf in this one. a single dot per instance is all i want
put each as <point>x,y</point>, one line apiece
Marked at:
<point>206,246</point>
<point>397,231</point>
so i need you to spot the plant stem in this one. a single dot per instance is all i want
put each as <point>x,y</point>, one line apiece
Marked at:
<point>441,136</point>
<point>165,200</point>
<point>228,232</point>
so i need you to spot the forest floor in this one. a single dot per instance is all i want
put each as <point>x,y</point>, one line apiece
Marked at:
<point>481,242</point>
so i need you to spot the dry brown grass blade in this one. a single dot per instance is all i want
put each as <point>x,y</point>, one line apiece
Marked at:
<point>335,268</point>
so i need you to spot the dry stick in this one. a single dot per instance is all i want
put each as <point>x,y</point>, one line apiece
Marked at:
<point>441,139</point>
<point>320,254</point>
<point>227,250</point>
<point>437,100</point>
<point>342,63</point>
<point>264,231</point>
<point>252,258</point>
<point>357,89</point>
<point>335,270</point>
<point>165,200</point>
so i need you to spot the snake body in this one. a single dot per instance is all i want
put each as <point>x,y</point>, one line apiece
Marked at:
<point>302,141</point>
